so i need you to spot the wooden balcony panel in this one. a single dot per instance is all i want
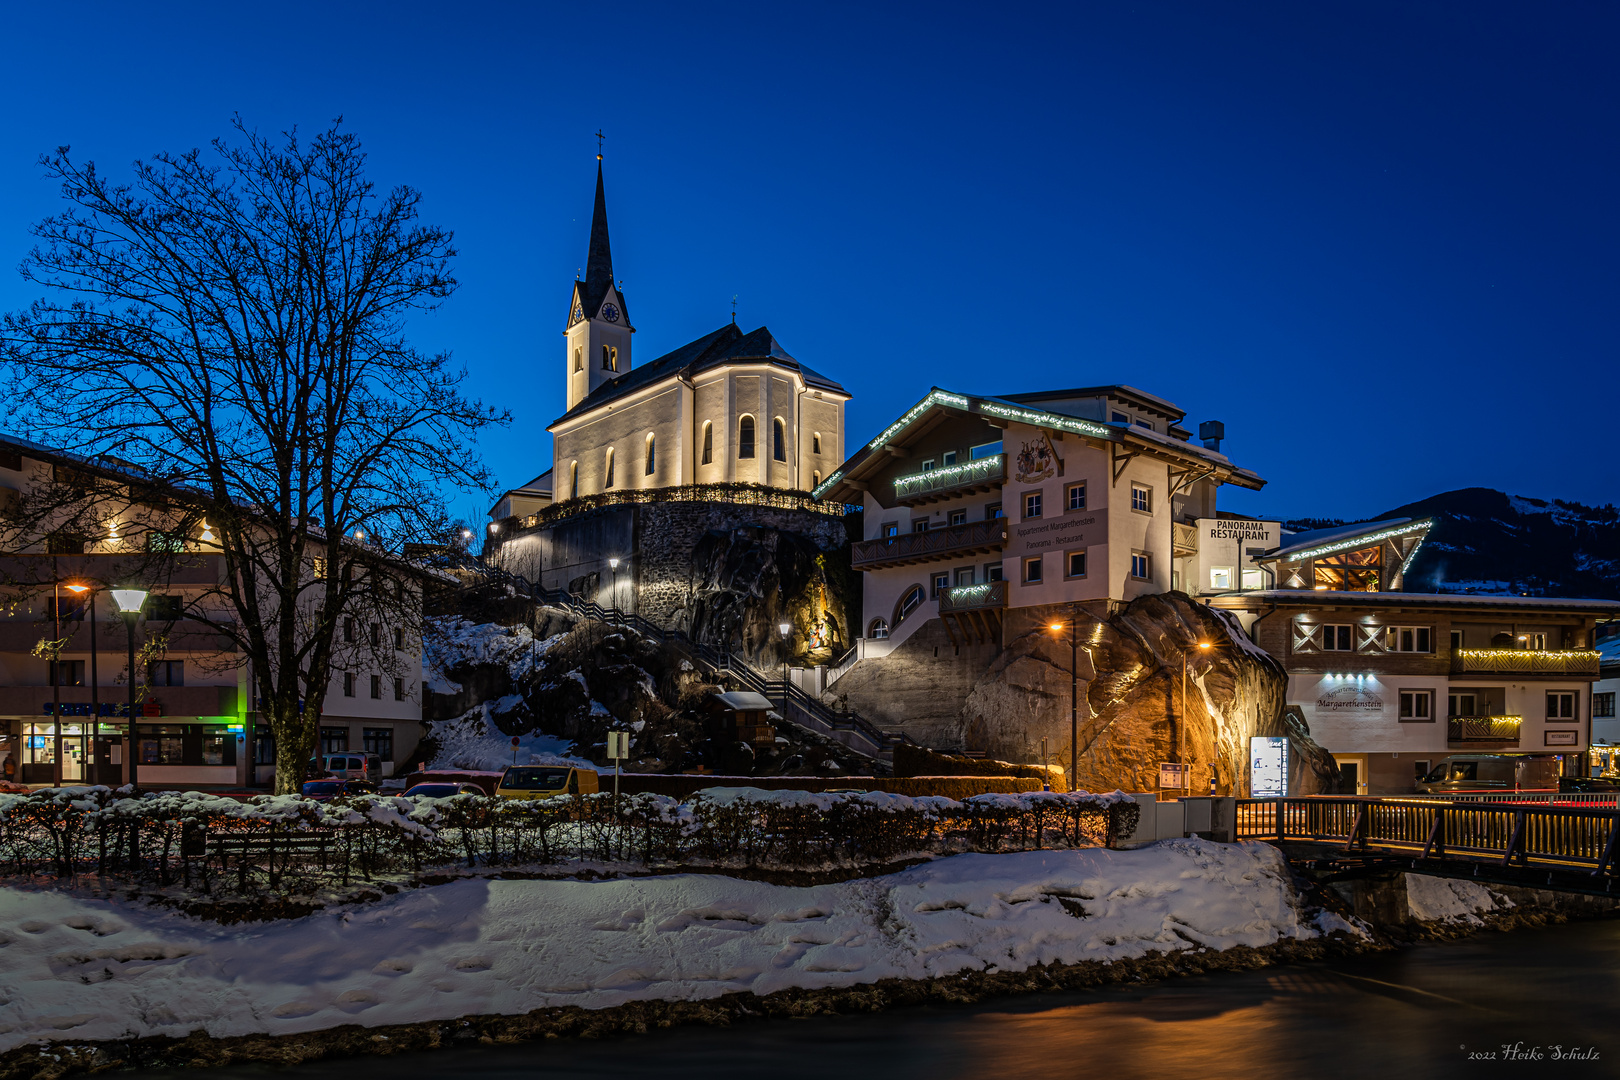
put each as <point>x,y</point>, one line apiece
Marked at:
<point>1483,731</point>
<point>1524,662</point>
<point>988,596</point>
<point>953,481</point>
<point>908,548</point>
<point>1183,539</point>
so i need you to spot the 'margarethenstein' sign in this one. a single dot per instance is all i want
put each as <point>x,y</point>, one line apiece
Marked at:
<point>1060,533</point>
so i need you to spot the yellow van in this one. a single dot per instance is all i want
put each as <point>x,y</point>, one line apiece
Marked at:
<point>545,781</point>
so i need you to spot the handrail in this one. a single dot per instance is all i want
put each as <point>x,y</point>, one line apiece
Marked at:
<point>718,660</point>
<point>1569,835</point>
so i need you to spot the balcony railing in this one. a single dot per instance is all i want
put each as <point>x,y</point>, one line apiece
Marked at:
<point>1183,539</point>
<point>1524,661</point>
<point>986,596</point>
<point>1497,730</point>
<point>986,473</point>
<point>932,544</point>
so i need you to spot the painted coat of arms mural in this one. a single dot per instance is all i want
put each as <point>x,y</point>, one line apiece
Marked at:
<point>1036,461</point>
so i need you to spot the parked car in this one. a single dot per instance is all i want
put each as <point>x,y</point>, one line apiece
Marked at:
<point>544,781</point>
<point>442,791</point>
<point>325,790</point>
<point>347,766</point>
<point>1482,773</point>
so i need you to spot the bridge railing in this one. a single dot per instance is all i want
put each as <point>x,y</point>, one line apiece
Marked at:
<point>1561,835</point>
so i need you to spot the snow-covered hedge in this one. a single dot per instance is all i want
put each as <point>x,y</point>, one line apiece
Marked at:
<point>285,845</point>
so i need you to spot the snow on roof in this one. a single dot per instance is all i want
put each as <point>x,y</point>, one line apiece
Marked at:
<point>1317,537</point>
<point>743,700</point>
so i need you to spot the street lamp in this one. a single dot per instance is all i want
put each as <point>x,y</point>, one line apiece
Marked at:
<point>1074,691</point>
<point>95,683</point>
<point>129,603</point>
<point>786,629</point>
<point>613,564</point>
<point>1181,718</point>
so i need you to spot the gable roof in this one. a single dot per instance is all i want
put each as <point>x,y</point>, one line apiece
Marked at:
<point>725,345</point>
<point>940,403</point>
<point>1347,537</point>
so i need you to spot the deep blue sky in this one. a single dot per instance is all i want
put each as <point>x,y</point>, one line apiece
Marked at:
<point>1377,239</point>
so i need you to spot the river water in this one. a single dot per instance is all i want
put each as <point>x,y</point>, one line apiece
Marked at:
<point>1421,1012</point>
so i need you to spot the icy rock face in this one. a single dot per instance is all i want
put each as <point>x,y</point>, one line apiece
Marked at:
<point>1131,711</point>
<point>747,581</point>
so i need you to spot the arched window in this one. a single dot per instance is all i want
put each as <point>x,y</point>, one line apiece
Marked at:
<point>815,443</point>
<point>815,479</point>
<point>778,439</point>
<point>579,359</point>
<point>573,479</point>
<point>909,602</point>
<point>610,358</point>
<point>652,454</point>
<point>745,437</point>
<point>878,629</point>
<point>708,443</point>
<point>607,474</point>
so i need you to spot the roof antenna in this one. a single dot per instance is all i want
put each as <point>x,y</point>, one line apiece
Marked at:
<point>733,309</point>
<point>599,138</point>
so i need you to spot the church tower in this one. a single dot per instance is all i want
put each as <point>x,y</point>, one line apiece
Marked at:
<point>598,324</point>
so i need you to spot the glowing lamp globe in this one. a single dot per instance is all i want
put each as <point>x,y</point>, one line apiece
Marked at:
<point>129,601</point>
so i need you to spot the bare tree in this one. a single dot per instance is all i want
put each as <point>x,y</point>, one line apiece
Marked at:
<point>230,326</point>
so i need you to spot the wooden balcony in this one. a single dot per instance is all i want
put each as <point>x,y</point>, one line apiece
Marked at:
<point>975,537</point>
<point>972,613</point>
<point>951,481</point>
<point>1483,732</point>
<point>1183,539</point>
<point>1524,662</point>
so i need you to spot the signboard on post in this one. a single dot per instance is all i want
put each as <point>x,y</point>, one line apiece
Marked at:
<point>1172,775</point>
<point>618,748</point>
<point>1268,767</point>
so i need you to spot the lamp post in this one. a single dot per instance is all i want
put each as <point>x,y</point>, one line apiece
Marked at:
<point>1074,690</point>
<point>129,603</point>
<point>613,564</point>
<point>95,682</point>
<point>786,629</point>
<point>1181,714</point>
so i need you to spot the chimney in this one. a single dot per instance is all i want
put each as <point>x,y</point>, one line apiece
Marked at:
<point>1212,432</point>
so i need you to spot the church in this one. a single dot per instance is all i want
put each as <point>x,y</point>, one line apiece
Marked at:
<point>671,475</point>
<point>728,408</point>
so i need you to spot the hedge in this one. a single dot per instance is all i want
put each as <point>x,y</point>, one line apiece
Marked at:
<point>284,845</point>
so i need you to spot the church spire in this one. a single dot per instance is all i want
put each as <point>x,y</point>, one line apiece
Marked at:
<point>599,260</point>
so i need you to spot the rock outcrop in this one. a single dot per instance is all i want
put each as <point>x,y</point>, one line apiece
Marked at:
<point>1135,707</point>
<point>746,582</point>
<point>558,684</point>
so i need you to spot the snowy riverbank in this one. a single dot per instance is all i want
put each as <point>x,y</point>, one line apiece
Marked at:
<point>79,968</point>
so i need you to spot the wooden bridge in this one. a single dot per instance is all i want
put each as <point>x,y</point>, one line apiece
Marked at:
<point>1568,846</point>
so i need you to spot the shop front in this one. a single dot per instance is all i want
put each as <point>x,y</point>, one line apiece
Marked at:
<point>89,752</point>
<point>177,752</point>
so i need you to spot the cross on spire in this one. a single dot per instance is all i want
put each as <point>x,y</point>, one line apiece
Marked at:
<point>599,138</point>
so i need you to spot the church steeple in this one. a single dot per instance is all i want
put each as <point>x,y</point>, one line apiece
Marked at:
<point>599,260</point>
<point>598,324</point>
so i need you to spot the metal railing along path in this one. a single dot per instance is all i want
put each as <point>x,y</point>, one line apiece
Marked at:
<point>853,731</point>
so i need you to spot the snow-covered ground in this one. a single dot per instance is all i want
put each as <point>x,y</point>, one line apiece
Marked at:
<point>80,968</point>
<point>472,741</point>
